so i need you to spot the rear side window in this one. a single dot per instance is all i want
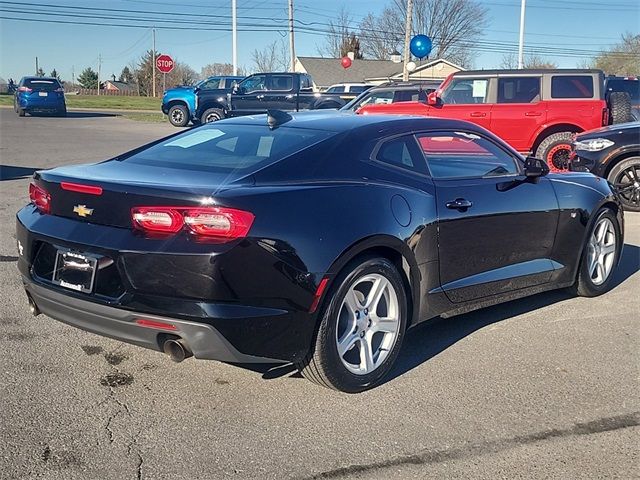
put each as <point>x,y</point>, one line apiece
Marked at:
<point>572,86</point>
<point>211,84</point>
<point>42,84</point>
<point>280,82</point>
<point>339,89</point>
<point>401,152</point>
<point>229,148</point>
<point>453,155</point>
<point>519,90</point>
<point>357,88</point>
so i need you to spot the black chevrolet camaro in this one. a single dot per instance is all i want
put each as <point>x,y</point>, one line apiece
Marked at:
<point>314,239</point>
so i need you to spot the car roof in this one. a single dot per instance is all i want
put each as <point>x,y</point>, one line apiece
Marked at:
<point>407,86</point>
<point>525,71</point>
<point>49,79</point>
<point>343,121</point>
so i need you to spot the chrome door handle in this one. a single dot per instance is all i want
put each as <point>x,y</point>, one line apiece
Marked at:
<point>459,204</point>
<point>478,114</point>
<point>533,114</point>
<point>259,97</point>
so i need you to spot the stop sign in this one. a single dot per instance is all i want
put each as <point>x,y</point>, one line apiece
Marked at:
<point>164,63</point>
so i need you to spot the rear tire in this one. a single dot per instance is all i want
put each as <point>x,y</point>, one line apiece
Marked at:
<point>620,107</point>
<point>625,176</point>
<point>211,115</point>
<point>555,150</point>
<point>599,256</point>
<point>178,116</point>
<point>21,112</point>
<point>355,348</point>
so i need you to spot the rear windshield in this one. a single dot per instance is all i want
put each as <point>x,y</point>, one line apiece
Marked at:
<point>572,86</point>
<point>42,84</point>
<point>221,148</point>
<point>632,87</point>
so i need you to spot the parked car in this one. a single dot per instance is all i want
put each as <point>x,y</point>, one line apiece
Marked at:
<point>535,111</point>
<point>308,238</point>
<point>39,95</point>
<point>264,91</point>
<point>180,103</point>
<point>613,153</point>
<point>622,86</point>
<point>352,88</point>
<point>391,93</point>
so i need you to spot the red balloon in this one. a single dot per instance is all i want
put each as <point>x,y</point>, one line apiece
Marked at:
<point>346,62</point>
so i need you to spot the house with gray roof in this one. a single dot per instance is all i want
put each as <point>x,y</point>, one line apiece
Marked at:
<point>329,71</point>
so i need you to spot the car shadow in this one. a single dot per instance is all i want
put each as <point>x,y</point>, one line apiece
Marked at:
<point>434,336</point>
<point>76,115</point>
<point>11,172</point>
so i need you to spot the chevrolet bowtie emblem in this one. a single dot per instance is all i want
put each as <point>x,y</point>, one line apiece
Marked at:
<point>82,210</point>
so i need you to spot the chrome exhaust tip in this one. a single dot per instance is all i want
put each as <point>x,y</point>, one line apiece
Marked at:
<point>177,350</point>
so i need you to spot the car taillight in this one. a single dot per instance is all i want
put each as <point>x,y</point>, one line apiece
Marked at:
<point>605,117</point>
<point>157,219</point>
<point>40,198</point>
<point>216,222</point>
<point>25,89</point>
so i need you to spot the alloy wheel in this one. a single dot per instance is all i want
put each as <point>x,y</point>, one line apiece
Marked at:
<point>558,158</point>
<point>368,324</point>
<point>601,251</point>
<point>177,116</point>
<point>628,185</point>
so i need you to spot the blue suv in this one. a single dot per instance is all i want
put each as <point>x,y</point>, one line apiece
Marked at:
<point>181,103</point>
<point>39,94</point>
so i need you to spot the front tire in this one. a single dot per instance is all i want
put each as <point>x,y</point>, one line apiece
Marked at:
<point>625,176</point>
<point>211,115</point>
<point>361,330</point>
<point>178,116</point>
<point>600,256</point>
<point>555,150</point>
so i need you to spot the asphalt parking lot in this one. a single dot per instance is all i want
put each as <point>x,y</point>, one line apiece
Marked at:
<point>545,387</point>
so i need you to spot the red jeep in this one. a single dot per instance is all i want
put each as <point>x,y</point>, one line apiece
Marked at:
<point>536,111</point>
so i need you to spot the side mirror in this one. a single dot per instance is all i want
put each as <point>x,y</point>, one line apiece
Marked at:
<point>196,90</point>
<point>535,167</point>
<point>433,99</point>
<point>236,88</point>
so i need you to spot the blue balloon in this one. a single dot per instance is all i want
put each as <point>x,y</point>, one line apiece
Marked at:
<point>420,46</point>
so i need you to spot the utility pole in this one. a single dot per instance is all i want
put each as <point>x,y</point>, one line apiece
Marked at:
<point>36,66</point>
<point>234,36</point>
<point>153,63</point>
<point>99,69</point>
<point>292,50</point>
<point>407,39</point>
<point>73,74</point>
<point>521,44</point>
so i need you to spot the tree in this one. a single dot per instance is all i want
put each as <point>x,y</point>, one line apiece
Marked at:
<point>272,58</point>
<point>40,72</point>
<point>622,59</point>
<point>218,69</point>
<point>341,39</point>
<point>510,60</point>
<point>88,78</point>
<point>181,74</point>
<point>54,74</point>
<point>126,76</point>
<point>453,25</point>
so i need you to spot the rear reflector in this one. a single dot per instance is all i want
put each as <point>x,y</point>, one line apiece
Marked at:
<point>213,222</point>
<point>76,187</point>
<point>40,198</point>
<point>143,322</point>
<point>316,297</point>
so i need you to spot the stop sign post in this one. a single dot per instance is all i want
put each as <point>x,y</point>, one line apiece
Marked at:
<point>165,64</point>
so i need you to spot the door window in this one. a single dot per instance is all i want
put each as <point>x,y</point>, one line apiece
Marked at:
<point>572,86</point>
<point>210,84</point>
<point>453,155</point>
<point>280,83</point>
<point>519,90</point>
<point>253,84</point>
<point>466,91</point>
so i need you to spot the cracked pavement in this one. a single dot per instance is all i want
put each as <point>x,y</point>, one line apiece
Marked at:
<point>545,387</point>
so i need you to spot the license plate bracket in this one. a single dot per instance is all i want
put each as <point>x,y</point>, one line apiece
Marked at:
<point>75,270</point>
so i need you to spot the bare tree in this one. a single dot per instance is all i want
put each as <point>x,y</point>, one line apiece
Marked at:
<point>274,57</point>
<point>510,60</point>
<point>341,39</point>
<point>622,59</point>
<point>453,25</point>
<point>218,69</point>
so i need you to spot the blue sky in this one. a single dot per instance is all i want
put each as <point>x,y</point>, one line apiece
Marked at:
<point>570,25</point>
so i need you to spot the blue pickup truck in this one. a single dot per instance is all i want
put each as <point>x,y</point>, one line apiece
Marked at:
<point>180,103</point>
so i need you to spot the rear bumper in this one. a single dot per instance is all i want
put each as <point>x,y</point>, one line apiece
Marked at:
<point>203,340</point>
